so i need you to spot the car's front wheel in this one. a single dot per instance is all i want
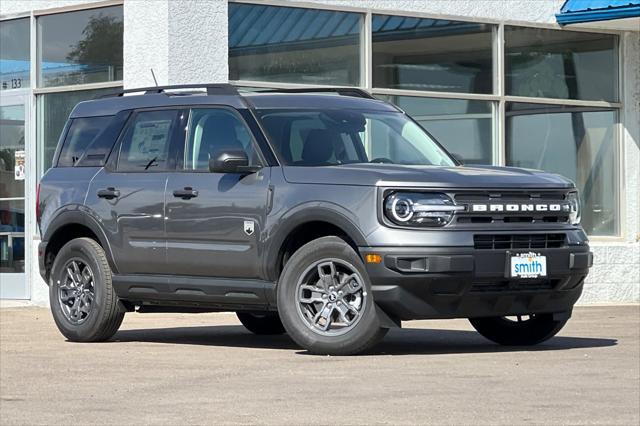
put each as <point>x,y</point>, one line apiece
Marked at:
<point>83,302</point>
<point>325,301</point>
<point>521,330</point>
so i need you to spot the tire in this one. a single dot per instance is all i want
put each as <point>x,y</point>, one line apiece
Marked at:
<point>97,315</point>
<point>504,331</point>
<point>266,323</point>
<point>324,321</point>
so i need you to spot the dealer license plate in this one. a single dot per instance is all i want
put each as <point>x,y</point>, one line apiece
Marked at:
<point>528,265</point>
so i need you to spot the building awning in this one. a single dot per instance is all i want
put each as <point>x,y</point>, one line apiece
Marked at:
<point>583,11</point>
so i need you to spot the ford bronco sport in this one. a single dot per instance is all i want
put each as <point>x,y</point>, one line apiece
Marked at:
<point>323,213</point>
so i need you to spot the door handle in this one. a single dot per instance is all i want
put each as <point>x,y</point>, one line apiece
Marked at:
<point>186,193</point>
<point>109,193</point>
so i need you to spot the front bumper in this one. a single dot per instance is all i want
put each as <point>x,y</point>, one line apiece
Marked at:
<point>430,283</point>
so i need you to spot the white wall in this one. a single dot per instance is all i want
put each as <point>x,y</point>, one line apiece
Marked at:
<point>184,42</point>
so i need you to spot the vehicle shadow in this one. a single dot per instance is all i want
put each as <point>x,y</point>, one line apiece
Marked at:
<point>406,341</point>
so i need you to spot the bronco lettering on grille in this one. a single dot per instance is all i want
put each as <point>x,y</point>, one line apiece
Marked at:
<point>529,207</point>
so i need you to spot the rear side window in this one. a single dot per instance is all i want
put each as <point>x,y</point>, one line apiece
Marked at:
<point>83,133</point>
<point>145,146</point>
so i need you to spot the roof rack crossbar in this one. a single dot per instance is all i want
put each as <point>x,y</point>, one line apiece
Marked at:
<point>212,89</point>
<point>344,91</point>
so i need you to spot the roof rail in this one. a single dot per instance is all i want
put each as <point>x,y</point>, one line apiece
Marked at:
<point>212,89</point>
<point>344,91</point>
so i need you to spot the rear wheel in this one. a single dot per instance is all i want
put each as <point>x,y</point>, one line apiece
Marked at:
<point>261,322</point>
<point>521,330</point>
<point>325,300</point>
<point>83,302</point>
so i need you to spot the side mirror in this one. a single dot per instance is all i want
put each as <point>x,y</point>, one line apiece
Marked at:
<point>231,162</point>
<point>458,158</point>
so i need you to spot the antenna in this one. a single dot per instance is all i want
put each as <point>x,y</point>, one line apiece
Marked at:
<point>154,77</point>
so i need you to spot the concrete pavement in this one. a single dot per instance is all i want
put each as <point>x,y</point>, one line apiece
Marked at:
<point>206,369</point>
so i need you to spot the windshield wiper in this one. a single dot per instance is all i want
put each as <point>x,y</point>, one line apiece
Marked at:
<point>150,163</point>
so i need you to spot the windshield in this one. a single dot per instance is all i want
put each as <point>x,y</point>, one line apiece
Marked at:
<point>334,137</point>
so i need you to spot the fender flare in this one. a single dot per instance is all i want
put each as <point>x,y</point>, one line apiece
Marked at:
<point>299,215</point>
<point>80,217</point>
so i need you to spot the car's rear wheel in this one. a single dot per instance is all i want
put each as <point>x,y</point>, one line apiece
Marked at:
<point>83,302</point>
<point>521,330</point>
<point>325,300</point>
<point>264,323</point>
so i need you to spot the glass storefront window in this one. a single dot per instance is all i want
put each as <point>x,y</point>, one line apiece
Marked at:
<point>578,143</point>
<point>14,54</point>
<point>11,236</point>
<point>432,54</point>
<point>12,143</point>
<point>463,127</point>
<point>80,47</point>
<point>12,156</point>
<point>52,114</point>
<point>294,45</point>
<point>561,64</point>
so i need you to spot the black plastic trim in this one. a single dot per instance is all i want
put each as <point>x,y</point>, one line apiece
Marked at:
<point>209,292</point>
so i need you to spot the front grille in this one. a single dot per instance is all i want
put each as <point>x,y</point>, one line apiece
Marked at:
<point>504,198</point>
<point>518,241</point>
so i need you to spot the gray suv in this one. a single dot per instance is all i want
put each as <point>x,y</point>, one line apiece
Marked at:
<point>326,214</point>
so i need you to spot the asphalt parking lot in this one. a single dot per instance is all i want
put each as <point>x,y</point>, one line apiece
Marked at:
<point>205,368</point>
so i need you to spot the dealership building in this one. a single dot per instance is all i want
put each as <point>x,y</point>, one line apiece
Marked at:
<point>546,84</point>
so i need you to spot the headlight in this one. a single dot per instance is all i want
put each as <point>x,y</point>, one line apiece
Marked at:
<point>420,209</point>
<point>574,208</point>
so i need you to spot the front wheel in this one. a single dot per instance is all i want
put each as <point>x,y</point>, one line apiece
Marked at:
<point>521,330</point>
<point>325,301</point>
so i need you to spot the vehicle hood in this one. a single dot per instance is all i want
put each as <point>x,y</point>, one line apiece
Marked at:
<point>426,176</point>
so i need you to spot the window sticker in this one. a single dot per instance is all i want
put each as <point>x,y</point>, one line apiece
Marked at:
<point>19,165</point>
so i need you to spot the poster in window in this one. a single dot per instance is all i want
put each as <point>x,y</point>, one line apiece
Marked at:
<point>19,165</point>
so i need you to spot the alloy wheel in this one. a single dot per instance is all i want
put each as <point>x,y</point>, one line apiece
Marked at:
<point>331,297</point>
<point>76,291</point>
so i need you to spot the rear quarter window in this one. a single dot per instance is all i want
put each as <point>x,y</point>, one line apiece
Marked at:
<point>84,135</point>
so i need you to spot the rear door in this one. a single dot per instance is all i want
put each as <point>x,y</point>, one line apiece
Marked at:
<point>215,220</point>
<point>128,194</point>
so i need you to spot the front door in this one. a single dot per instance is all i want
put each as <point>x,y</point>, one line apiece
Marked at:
<point>13,283</point>
<point>215,221</point>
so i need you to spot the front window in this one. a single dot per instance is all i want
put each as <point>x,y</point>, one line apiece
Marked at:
<point>212,131</point>
<point>334,137</point>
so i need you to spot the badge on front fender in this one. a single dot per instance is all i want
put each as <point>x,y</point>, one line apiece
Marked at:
<point>248,227</point>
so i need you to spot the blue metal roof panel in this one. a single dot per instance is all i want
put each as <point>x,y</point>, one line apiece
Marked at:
<point>576,11</point>
<point>584,5</point>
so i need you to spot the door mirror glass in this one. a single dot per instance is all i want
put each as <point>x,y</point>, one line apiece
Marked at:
<point>235,161</point>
